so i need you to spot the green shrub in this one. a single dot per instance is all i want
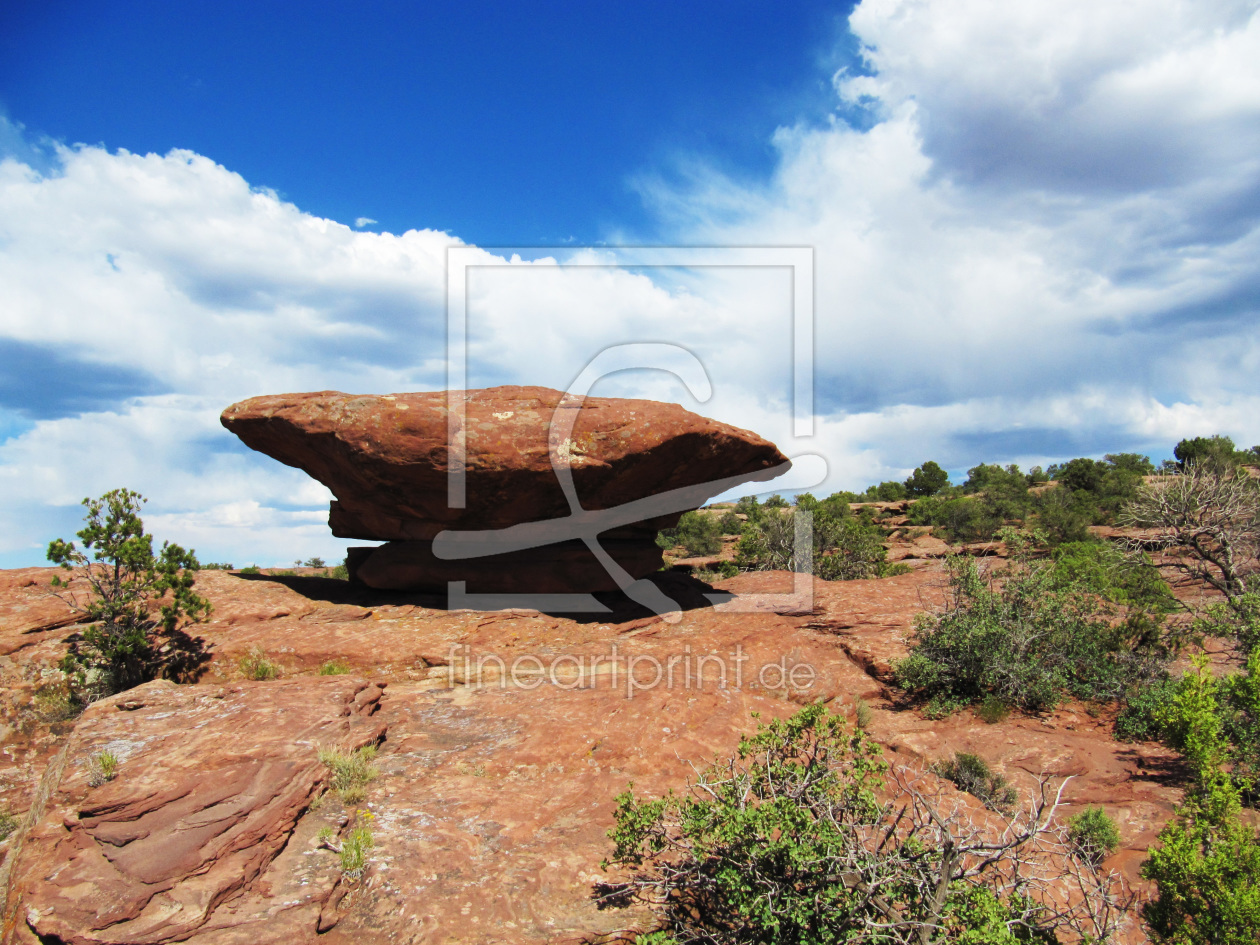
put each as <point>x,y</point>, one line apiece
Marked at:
<point>749,507</point>
<point>890,491</point>
<point>353,849</point>
<point>8,824</point>
<point>1081,474</point>
<point>730,523</point>
<point>1215,452</point>
<point>1145,713</point>
<point>351,771</point>
<point>993,710</point>
<point>129,640</point>
<point>962,519</point>
<point>334,668</point>
<point>212,566</point>
<point>56,703</point>
<point>788,841</point>
<point>339,573</point>
<point>972,774</point>
<point>1135,463</point>
<point>1207,867</point>
<point>102,767</point>
<point>257,665</point>
<point>924,511</point>
<point>311,563</point>
<point>1132,580</point>
<point>843,497</point>
<point>1062,517</point>
<point>845,547</point>
<point>1238,619</point>
<point>1176,711</point>
<point>1024,636</point>
<point>1094,834</point>
<point>700,534</point>
<point>862,714</point>
<point>768,542</point>
<point>250,569</point>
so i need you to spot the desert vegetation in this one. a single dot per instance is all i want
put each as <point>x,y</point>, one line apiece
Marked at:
<point>1040,630</point>
<point>350,772</point>
<point>125,642</point>
<point>806,834</point>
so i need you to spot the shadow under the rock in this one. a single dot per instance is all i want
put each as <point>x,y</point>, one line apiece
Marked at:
<point>687,592</point>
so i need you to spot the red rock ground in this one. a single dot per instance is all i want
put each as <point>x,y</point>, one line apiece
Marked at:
<point>495,791</point>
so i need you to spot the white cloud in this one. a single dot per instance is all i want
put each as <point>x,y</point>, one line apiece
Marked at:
<point>1055,199</point>
<point>361,222</point>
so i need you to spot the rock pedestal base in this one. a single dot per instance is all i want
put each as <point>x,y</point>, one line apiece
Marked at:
<point>553,569</point>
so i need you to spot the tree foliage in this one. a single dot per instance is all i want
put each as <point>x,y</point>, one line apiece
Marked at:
<point>928,479</point>
<point>805,837</point>
<point>1217,453</point>
<point>137,601</point>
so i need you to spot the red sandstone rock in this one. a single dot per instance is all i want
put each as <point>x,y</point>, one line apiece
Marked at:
<point>387,459</point>
<point>210,786</point>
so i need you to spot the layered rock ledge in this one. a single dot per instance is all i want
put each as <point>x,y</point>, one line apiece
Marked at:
<point>388,461</point>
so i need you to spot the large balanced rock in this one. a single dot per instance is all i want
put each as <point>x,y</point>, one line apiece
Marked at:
<point>388,460</point>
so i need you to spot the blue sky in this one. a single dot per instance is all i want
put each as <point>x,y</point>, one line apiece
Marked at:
<point>1035,226</point>
<point>505,123</point>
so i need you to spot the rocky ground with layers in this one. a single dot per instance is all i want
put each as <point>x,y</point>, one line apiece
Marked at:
<point>503,739</point>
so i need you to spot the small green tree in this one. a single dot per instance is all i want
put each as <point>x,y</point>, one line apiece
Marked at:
<point>847,549</point>
<point>1062,517</point>
<point>1209,452</point>
<point>928,479</point>
<point>1094,834</point>
<point>700,533</point>
<point>768,542</point>
<point>888,491</point>
<point>1081,473</point>
<point>1132,462</point>
<point>137,600</point>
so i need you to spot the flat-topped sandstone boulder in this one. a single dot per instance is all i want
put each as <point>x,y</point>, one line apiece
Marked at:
<point>387,459</point>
